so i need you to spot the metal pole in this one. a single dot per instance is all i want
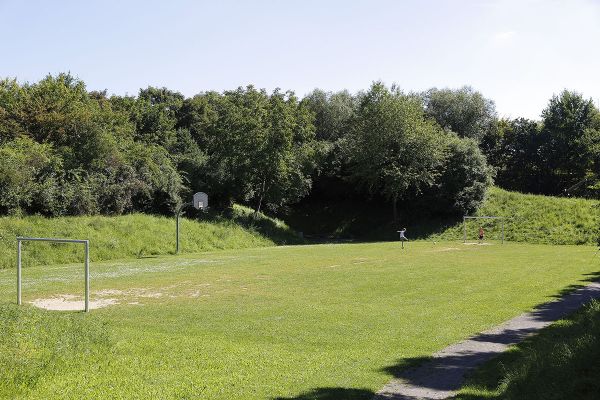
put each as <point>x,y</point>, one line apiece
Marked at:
<point>464,230</point>
<point>87,276</point>
<point>503,231</point>
<point>18,272</point>
<point>177,232</point>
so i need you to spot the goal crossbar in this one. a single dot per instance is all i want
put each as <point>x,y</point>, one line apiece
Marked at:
<point>466,217</point>
<point>86,243</point>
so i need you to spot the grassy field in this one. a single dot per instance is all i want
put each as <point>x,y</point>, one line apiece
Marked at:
<point>138,235</point>
<point>529,219</point>
<point>562,362</point>
<point>302,322</point>
<point>536,219</point>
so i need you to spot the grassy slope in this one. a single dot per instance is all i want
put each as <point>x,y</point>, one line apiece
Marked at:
<point>562,362</point>
<point>136,235</point>
<point>530,218</point>
<point>310,322</point>
<point>536,219</point>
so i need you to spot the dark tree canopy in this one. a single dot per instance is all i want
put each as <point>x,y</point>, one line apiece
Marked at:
<point>66,150</point>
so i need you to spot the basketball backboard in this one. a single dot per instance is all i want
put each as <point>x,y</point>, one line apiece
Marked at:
<point>200,201</point>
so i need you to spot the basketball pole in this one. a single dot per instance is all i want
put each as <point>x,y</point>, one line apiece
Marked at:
<point>200,202</point>
<point>177,215</point>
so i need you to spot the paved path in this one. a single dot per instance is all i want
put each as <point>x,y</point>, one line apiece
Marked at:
<point>445,373</point>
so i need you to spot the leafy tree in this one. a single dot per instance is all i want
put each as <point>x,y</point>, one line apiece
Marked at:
<point>393,149</point>
<point>517,155</point>
<point>466,176</point>
<point>463,111</point>
<point>333,113</point>
<point>259,147</point>
<point>571,137</point>
<point>22,163</point>
<point>155,114</point>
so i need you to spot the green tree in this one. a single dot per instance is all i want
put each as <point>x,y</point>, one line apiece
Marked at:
<point>393,149</point>
<point>571,137</point>
<point>466,176</point>
<point>259,147</point>
<point>463,111</point>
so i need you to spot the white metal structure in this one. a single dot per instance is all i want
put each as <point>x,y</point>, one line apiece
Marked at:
<point>86,263</point>
<point>200,201</point>
<point>465,218</point>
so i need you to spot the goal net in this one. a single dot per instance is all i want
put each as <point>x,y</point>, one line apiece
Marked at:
<point>492,226</point>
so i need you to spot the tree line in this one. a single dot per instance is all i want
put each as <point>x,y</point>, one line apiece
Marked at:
<point>65,150</point>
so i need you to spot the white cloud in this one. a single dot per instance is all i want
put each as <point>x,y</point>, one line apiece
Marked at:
<point>504,38</point>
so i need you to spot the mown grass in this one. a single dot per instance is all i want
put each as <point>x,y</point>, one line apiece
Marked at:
<point>290,322</point>
<point>535,219</point>
<point>137,235</point>
<point>528,219</point>
<point>36,344</point>
<point>561,362</point>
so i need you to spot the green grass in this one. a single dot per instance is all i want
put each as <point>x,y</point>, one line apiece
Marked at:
<point>562,362</point>
<point>529,219</point>
<point>302,322</point>
<point>35,344</point>
<point>137,235</point>
<point>536,219</point>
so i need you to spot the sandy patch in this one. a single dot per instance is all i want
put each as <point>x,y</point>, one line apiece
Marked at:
<point>445,249</point>
<point>71,303</point>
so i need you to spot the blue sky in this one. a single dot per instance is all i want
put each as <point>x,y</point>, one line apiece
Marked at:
<point>518,53</point>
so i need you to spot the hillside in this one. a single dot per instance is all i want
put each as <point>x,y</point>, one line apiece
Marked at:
<point>529,218</point>
<point>137,235</point>
<point>535,219</point>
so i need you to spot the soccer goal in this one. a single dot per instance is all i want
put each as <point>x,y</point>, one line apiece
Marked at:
<point>86,244</point>
<point>493,227</point>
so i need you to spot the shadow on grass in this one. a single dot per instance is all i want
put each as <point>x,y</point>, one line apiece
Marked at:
<point>332,393</point>
<point>561,362</point>
<point>446,372</point>
<point>589,277</point>
<point>269,227</point>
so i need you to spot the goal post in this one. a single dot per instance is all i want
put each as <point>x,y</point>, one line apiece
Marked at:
<point>485,217</point>
<point>86,244</point>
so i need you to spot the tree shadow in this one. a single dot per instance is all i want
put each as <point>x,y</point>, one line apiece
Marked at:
<point>588,277</point>
<point>268,227</point>
<point>332,393</point>
<point>445,372</point>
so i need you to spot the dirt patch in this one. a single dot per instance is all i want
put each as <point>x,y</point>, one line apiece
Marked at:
<point>445,249</point>
<point>477,244</point>
<point>71,303</point>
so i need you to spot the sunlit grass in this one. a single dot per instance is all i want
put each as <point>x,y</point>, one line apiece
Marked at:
<point>280,321</point>
<point>136,235</point>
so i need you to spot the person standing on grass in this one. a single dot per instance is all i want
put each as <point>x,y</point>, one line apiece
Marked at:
<point>403,237</point>
<point>481,234</point>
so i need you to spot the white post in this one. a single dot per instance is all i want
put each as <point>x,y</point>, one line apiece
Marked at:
<point>464,229</point>
<point>18,272</point>
<point>87,276</point>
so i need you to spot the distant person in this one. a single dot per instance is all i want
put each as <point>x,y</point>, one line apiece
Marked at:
<point>481,234</point>
<point>403,237</point>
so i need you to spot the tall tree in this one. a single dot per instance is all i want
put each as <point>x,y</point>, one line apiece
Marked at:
<point>571,137</point>
<point>463,111</point>
<point>393,149</point>
<point>260,146</point>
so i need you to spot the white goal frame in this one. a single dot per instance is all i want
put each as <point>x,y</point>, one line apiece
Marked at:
<point>466,217</point>
<point>86,243</point>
